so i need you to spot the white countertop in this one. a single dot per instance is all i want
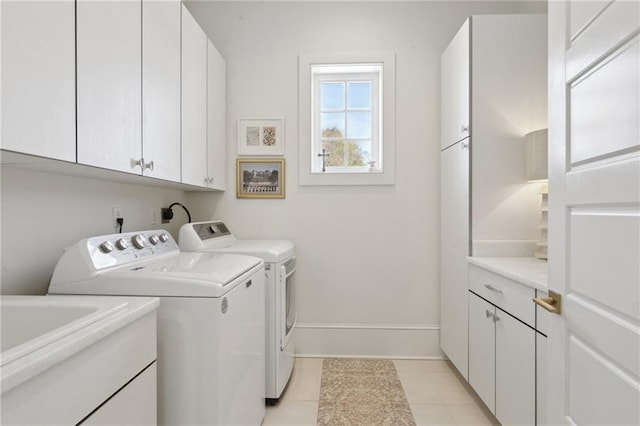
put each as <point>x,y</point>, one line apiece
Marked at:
<point>526,270</point>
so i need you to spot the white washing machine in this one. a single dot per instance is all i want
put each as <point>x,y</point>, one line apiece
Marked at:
<point>280,263</point>
<point>211,367</point>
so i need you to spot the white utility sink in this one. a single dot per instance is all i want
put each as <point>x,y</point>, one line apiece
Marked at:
<point>51,342</point>
<point>29,323</point>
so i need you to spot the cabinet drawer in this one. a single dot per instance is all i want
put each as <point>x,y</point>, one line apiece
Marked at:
<point>506,294</point>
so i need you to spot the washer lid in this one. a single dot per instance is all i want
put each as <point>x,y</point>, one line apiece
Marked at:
<point>182,275</point>
<point>271,251</point>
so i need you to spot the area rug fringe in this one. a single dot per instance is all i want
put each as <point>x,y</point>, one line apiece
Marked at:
<point>362,392</point>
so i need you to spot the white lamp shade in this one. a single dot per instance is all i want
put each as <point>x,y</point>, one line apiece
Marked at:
<point>536,155</point>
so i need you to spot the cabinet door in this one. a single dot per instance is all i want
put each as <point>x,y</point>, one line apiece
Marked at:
<point>135,404</point>
<point>194,101</point>
<point>482,350</point>
<point>455,81</point>
<point>109,84</point>
<point>38,78</point>
<point>541,379</point>
<point>161,89</point>
<point>216,118</point>
<point>515,371</point>
<point>454,249</point>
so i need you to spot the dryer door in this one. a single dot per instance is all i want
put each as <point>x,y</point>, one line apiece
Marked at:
<point>289,314</point>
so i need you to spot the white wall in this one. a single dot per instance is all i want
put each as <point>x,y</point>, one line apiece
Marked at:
<point>368,281</point>
<point>42,213</point>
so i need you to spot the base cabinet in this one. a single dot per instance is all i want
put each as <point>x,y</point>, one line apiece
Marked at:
<point>515,371</point>
<point>502,365</point>
<point>482,350</point>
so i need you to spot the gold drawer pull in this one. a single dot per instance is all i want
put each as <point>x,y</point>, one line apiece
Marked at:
<point>553,303</point>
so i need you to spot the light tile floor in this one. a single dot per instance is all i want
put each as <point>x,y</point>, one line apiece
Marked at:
<point>435,391</point>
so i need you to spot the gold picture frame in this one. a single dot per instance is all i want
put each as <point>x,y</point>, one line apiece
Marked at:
<point>260,177</point>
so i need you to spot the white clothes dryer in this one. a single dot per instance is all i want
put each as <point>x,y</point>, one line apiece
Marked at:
<point>211,367</point>
<point>280,267</point>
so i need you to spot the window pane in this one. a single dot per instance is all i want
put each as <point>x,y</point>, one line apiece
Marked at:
<point>359,95</point>
<point>334,152</point>
<point>332,95</point>
<point>362,149</point>
<point>359,124</point>
<point>332,124</point>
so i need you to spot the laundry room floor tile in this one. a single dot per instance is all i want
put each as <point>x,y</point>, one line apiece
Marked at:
<point>291,413</point>
<point>436,393</point>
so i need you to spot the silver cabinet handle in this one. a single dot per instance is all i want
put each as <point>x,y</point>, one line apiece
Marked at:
<point>464,129</point>
<point>488,313</point>
<point>464,145</point>
<point>496,318</point>
<point>492,288</point>
<point>148,165</point>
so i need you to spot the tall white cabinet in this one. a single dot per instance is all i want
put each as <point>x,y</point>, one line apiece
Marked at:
<point>454,198</point>
<point>493,92</point>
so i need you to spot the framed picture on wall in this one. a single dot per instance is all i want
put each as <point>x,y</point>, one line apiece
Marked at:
<point>260,178</point>
<point>261,136</point>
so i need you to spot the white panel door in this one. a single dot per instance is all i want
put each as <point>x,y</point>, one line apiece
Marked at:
<point>454,249</point>
<point>161,89</point>
<point>194,101</point>
<point>109,82</point>
<point>38,78</point>
<point>594,206</point>
<point>216,118</point>
<point>454,87</point>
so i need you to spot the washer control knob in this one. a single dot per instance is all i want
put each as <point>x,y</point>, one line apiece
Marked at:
<point>163,237</point>
<point>154,239</point>
<point>139,241</point>
<point>107,247</point>
<point>121,244</point>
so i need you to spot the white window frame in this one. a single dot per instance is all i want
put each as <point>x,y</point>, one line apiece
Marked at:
<point>347,74</point>
<point>383,172</point>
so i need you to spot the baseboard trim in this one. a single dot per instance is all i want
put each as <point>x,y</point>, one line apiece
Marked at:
<point>395,341</point>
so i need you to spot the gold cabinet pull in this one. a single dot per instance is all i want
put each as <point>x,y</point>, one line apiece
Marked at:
<point>552,303</point>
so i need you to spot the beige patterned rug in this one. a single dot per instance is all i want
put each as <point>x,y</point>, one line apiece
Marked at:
<point>362,392</point>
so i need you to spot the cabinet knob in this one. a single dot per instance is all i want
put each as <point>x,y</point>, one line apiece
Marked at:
<point>149,165</point>
<point>464,129</point>
<point>496,318</point>
<point>464,144</point>
<point>488,313</point>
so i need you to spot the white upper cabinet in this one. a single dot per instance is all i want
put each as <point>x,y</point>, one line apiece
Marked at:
<point>161,89</point>
<point>38,78</point>
<point>109,84</point>
<point>216,118</point>
<point>454,88</point>
<point>194,102</point>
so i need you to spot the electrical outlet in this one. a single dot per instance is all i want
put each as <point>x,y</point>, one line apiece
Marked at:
<point>117,213</point>
<point>154,216</point>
